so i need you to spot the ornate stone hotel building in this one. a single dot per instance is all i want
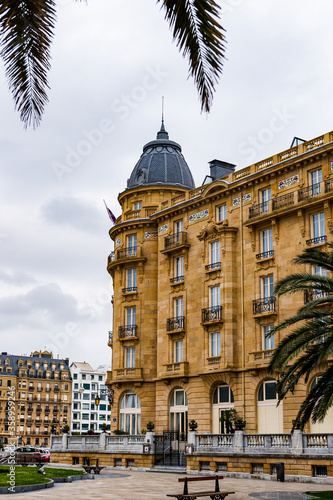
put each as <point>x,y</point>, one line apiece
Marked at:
<point>193,271</point>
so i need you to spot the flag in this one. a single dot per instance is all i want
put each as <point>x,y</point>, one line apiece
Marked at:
<point>110,214</point>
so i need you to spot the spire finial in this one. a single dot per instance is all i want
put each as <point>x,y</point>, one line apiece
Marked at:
<point>162,134</point>
<point>162,109</point>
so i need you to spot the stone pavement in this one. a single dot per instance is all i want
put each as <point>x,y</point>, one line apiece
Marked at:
<point>112,484</point>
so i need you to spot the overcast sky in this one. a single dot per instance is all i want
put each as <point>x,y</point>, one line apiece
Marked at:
<point>112,61</point>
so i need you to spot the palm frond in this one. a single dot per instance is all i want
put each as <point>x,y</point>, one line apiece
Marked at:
<point>26,28</point>
<point>199,35</point>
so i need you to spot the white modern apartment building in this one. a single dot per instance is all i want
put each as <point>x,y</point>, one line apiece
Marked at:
<point>87,384</point>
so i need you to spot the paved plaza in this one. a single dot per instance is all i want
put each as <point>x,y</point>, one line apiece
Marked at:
<point>112,484</point>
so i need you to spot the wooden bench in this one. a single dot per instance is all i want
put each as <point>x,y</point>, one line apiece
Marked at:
<point>214,495</point>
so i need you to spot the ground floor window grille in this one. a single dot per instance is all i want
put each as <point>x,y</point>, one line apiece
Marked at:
<point>130,462</point>
<point>273,469</point>
<point>118,462</point>
<point>257,468</point>
<point>76,461</point>
<point>204,465</point>
<point>319,470</point>
<point>221,466</point>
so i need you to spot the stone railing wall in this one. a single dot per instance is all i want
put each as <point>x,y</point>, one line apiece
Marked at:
<point>101,442</point>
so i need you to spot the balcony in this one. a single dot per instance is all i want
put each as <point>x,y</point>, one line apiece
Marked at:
<point>110,337</point>
<point>176,279</point>
<point>262,306</point>
<point>31,388</point>
<point>261,358</point>
<point>175,242</point>
<point>127,331</point>
<point>47,389</point>
<point>310,295</point>
<point>47,410</point>
<point>175,324</point>
<point>130,289</point>
<point>55,410</point>
<point>309,192</point>
<point>259,209</point>
<point>283,201</point>
<point>123,255</point>
<point>265,255</point>
<point>132,374</point>
<point>211,267</point>
<point>211,314</point>
<point>177,369</point>
<point>317,240</point>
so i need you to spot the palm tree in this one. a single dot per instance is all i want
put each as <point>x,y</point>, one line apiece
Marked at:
<point>26,32</point>
<point>309,345</point>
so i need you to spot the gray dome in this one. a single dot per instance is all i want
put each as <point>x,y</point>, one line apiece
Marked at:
<point>161,162</point>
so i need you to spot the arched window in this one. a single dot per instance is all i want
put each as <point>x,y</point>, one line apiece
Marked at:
<point>130,413</point>
<point>178,411</point>
<point>326,425</point>
<point>270,416</point>
<point>223,399</point>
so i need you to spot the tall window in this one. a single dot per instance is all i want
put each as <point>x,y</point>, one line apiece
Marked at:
<point>316,177</point>
<point>268,342</point>
<point>178,226</point>
<point>131,280</point>
<point>223,399</point>
<point>214,254</point>
<point>267,287</point>
<point>267,243</point>
<point>131,316</point>
<point>132,244</point>
<point>130,413</point>
<point>130,357</point>
<point>318,227</point>
<point>222,212</point>
<point>215,296</point>
<point>215,344</point>
<point>178,411</point>
<point>179,269</point>
<point>265,196</point>
<point>178,306</point>
<point>178,354</point>
<point>137,205</point>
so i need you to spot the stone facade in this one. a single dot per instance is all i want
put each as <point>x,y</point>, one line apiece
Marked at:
<point>193,300</point>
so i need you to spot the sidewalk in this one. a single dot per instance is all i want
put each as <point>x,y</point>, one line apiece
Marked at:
<point>134,485</point>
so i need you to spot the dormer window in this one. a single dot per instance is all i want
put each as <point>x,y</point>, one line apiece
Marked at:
<point>7,362</point>
<point>37,365</point>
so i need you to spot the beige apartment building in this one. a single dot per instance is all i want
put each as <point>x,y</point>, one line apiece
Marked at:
<point>35,397</point>
<point>193,271</point>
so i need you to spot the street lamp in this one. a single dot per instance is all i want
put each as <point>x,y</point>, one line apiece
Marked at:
<point>104,392</point>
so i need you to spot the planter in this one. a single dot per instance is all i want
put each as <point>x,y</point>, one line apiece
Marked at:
<point>150,427</point>
<point>193,427</point>
<point>240,426</point>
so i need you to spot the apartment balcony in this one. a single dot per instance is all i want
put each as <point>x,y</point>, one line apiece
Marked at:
<point>127,374</point>
<point>175,241</point>
<point>39,389</point>
<point>47,410</point>
<point>176,324</point>
<point>310,191</point>
<point>176,279</point>
<point>127,332</point>
<point>260,358</point>
<point>263,306</point>
<point>31,388</point>
<point>55,410</point>
<point>265,255</point>
<point>47,389</point>
<point>110,341</point>
<point>130,289</point>
<point>30,409</point>
<point>211,314</point>
<point>310,295</point>
<point>261,208</point>
<point>124,255</point>
<point>286,200</point>
<point>212,267</point>
<point>316,241</point>
<point>177,369</point>
<point>56,389</point>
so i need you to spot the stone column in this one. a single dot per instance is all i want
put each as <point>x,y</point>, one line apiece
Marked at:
<point>64,444</point>
<point>102,441</point>
<point>149,438</point>
<point>191,437</point>
<point>297,442</point>
<point>238,446</point>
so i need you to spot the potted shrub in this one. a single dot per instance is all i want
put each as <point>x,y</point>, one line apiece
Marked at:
<point>65,429</point>
<point>193,425</point>
<point>104,427</point>
<point>227,420</point>
<point>53,429</point>
<point>239,424</point>
<point>150,426</point>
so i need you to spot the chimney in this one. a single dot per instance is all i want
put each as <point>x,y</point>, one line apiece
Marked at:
<point>220,168</point>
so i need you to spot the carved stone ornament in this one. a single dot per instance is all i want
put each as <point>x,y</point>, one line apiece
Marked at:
<point>211,229</point>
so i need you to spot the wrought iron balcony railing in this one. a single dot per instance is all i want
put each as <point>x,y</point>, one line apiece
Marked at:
<point>264,305</point>
<point>259,209</point>
<point>309,192</point>
<point>127,252</point>
<point>130,289</point>
<point>176,279</point>
<point>283,201</point>
<point>265,255</point>
<point>211,314</point>
<point>310,295</point>
<point>175,239</point>
<point>177,323</point>
<point>215,265</point>
<point>127,331</point>
<point>328,185</point>
<point>317,240</point>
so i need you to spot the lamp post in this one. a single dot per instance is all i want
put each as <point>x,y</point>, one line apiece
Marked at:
<point>104,392</point>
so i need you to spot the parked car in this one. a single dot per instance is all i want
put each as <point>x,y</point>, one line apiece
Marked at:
<point>28,455</point>
<point>45,454</point>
